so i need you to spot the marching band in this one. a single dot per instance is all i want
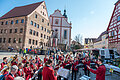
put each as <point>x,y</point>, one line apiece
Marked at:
<point>26,67</point>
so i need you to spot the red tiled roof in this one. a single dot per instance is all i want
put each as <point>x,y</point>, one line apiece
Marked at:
<point>21,11</point>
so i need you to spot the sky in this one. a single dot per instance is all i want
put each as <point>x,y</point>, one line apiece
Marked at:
<point>89,17</point>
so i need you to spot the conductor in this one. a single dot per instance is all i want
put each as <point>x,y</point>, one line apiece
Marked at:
<point>100,72</point>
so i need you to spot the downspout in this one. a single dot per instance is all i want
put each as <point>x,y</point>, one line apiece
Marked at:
<point>24,35</point>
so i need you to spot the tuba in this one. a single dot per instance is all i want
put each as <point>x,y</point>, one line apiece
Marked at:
<point>7,66</point>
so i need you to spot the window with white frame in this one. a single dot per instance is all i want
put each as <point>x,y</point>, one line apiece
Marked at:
<point>65,34</point>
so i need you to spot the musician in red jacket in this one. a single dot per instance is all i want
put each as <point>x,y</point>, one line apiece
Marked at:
<point>4,62</point>
<point>14,61</point>
<point>86,61</point>
<point>45,58</point>
<point>75,70</point>
<point>37,59</point>
<point>20,71</point>
<point>48,72</point>
<point>25,60</point>
<point>100,72</point>
<point>3,65</point>
<point>33,65</point>
<point>28,71</point>
<point>12,73</point>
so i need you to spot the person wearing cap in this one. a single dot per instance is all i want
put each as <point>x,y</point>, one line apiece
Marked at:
<point>12,73</point>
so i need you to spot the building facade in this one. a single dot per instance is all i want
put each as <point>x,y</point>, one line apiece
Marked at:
<point>89,43</point>
<point>114,28</point>
<point>102,40</point>
<point>61,28</point>
<point>25,27</point>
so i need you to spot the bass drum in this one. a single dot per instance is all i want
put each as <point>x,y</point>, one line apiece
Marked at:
<point>19,78</point>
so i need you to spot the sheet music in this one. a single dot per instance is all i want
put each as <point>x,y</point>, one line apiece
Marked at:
<point>84,77</point>
<point>63,72</point>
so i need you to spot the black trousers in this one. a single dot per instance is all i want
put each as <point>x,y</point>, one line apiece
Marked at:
<point>74,74</point>
<point>87,72</point>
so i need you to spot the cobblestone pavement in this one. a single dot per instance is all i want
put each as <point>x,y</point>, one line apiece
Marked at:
<point>114,76</point>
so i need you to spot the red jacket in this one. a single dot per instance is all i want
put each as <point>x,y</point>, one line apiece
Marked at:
<point>48,73</point>
<point>86,63</point>
<point>2,65</point>
<point>75,64</point>
<point>100,72</point>
<point>37,59</point>
<point>24,61</point>
<point>61,58</point>
<point>14,63</point>
<point>45,59</point>
<point>9,77</point>
<point>33,66</point>
<point>20,73</point>
<point>27,73</point>
<point>39,65</point>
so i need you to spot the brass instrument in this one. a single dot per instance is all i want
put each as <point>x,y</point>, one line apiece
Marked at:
<point>7,66</point>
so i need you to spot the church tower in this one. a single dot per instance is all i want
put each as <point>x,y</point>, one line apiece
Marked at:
<point>61,27</point>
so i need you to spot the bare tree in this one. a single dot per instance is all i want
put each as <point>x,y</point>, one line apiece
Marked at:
<point>78,38</point>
